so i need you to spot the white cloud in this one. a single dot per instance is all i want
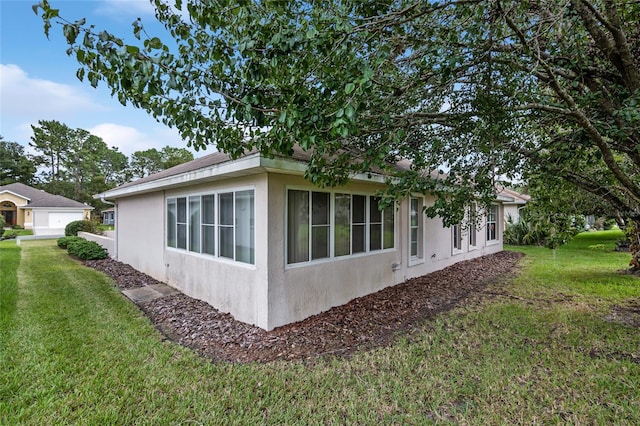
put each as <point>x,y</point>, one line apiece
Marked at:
<point>129,139</point>
<point>23,96</point>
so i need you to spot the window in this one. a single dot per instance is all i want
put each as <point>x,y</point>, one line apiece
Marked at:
<point>208,224</point>
<point>415,228</point>
<point>194,224</point>
<point>492,223</point>
<point>342,228</point>
<point>457,237</point>
<point>472,226</point>
<point>381,225</point>
<point>321,224</point>
<point>182,223</point>
<point>353,221</point>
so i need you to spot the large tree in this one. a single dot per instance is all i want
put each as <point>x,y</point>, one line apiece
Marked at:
<point>480,88</point>
<point>74,163</point>
<point>15,165</point>
<point>149,161</point>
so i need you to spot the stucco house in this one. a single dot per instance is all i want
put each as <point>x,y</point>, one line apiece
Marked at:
<point>253,238</point>
<point>44,213</point>
<point>513,203</point>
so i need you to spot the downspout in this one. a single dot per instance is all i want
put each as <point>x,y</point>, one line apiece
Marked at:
<point>115,227</point>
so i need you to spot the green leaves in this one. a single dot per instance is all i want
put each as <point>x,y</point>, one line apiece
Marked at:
<point>477,89</point>
<point>349,88</point>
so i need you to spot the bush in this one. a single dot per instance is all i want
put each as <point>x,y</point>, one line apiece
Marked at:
<point>9,235</point>
<point>2,222</point>
<point>64,242</point>
<point>74,227</point>
<point>86,250</point>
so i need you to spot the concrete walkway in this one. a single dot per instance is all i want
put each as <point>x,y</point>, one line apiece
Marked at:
<point>147,293</point>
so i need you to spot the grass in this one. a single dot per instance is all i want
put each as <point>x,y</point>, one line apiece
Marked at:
<point>18,232</point>
<point>76,351</point>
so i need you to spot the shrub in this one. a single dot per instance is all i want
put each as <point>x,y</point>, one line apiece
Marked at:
<point>74,227</point>
<point>64,242</point>
<point>86,250</point>
<point>9,235</point>
<point>2,222</point>
<point>17,227</point>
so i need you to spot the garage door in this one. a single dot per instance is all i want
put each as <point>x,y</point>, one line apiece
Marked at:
<point>58,220</point>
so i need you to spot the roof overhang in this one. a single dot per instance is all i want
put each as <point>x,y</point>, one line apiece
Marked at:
<point>248,165</point>
<point>29,207</point>
<point>6,191</point>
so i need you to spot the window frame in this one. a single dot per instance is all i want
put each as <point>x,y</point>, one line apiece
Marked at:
<point>216,225</point>
<point>366,225</point>
<point>472,239</point>
<point>496,225</point>
<point>418,258</point>
<point>457,239</point>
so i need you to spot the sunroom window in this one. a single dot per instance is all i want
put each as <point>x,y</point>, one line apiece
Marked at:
<point>196,222</point>
<point>353,221</point>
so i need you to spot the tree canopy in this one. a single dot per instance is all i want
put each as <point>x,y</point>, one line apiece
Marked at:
<point>73,162</point>
<point>478,88</point>
<point>144,163</point>
<point>15,166</point>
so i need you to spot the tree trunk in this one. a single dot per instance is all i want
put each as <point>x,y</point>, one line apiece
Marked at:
<point>633,234</point>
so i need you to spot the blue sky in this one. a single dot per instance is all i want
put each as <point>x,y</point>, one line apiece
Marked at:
<point>38,80</point>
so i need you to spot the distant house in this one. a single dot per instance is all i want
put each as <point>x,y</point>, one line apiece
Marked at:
<point>108,216</point>
<point>513,203</point>
<point>253,238</point>
<point>44,213</point>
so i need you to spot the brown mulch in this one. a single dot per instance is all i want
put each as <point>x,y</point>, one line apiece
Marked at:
<point>364,323</point>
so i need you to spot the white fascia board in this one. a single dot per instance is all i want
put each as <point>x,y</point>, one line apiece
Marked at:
<point>280,165</point>
<point>16,194</point>
<point>243,164</point>
<point>504,198</point>
<point>68,209</point>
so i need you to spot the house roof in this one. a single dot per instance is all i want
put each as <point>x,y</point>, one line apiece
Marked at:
<point>218,164</point>
<point>515,196</point>
<point>39,198</point>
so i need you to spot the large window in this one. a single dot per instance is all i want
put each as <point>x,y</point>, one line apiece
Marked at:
<point>457,237</point>
<point>492,223</point>
<point>415,228</point>
<point>354,222</point>
<point>195,223</point>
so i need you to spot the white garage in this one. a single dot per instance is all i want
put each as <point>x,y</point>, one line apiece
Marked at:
<point>31,208</point>
<point>58,220</point>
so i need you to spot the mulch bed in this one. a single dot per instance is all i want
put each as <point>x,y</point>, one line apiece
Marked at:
<point>364,323</point>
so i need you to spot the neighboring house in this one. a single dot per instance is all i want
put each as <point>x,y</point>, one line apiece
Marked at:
<point>514,202</point>
<point>253,238</point>
<point>44,213</point>
<point>108,216</point>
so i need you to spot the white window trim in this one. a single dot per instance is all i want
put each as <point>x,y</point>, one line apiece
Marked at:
<point>419,258</point>
<point>473,216</point>
<point>462,238</point>
<point>332,257</point>
<point>216,193</point>
<point>497,223</point>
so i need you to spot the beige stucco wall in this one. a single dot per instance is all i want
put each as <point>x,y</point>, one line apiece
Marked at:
<point>512,210</point>
<point>104,240</point>
<point>233,287</point>
<point>18,202</point>
<point>140,233</point>
<point>299,291</point>
<point>270,293</point>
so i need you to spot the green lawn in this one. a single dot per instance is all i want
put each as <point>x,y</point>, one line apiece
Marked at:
<point>76,351</point>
